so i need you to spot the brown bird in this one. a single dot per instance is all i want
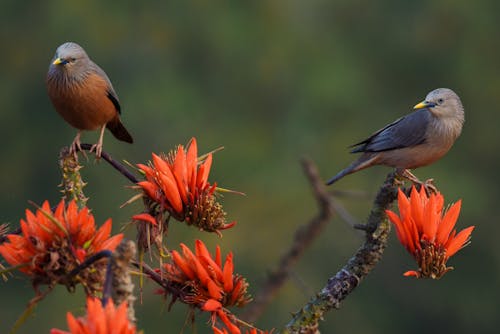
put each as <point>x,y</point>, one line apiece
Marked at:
<point>83,95</point>
<point>415,140</point>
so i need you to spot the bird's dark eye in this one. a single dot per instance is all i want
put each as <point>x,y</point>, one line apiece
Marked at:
<point>440,101</point>
<point>72,59</point>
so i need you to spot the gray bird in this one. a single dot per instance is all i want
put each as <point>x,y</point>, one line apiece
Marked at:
<point>415,140</point>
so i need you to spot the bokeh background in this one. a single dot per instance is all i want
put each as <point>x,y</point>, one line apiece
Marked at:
<point>271,81</point>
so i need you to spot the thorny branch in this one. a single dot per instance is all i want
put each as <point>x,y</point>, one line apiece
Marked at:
<point>156,277</point>
<point>116,165</point>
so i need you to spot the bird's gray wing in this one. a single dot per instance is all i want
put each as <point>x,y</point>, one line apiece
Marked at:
<point>111,94</point>
<point>404,132</point>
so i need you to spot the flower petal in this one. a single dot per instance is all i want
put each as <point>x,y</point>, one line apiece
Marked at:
<point>180,172</point>
<point>403,204</point>
<point>146,217</point>
<point>214,290</point>
<point>211,305</point>
<point>448,223</point>
<point>203,172</point>
<point>412,273</point>
<point>224,318</point>
<point>183,265</point>
<point>430,220</point>
<point>228,273</point>
<point>150,189</point>
<point>459,241</point>
<point>192,163</point>
<point>400,231</point>
<point>417,208</point>
<point>171,191</point>
<point>206,259</point>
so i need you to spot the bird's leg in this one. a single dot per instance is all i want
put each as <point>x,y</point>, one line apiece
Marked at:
<point>76,146</point>
<point>427,184</point>
<point>98,147</point>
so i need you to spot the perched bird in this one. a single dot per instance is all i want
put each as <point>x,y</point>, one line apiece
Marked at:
<point>415,140</point>
<point>83,95</point>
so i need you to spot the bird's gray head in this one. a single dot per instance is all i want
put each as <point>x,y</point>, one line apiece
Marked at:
<point>71,60</point>
<point>443,102</point>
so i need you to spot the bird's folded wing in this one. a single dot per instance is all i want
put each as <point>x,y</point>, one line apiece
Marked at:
<point>406,131</point>
<point>110,90</point>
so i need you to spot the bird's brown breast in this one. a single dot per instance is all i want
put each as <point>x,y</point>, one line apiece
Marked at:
<point>84,104</point>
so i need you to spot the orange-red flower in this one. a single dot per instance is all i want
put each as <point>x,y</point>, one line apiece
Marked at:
<point>177,183</point>
<point>52,244</point>
<point>206,283</point>
<point>99,320</point>
<point>427,231</point>
<point>203,280</point>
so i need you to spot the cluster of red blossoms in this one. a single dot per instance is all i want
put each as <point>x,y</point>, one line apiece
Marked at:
<point>427,231</point>
<point>203,281</point>
<point>99,320</point>
<point>53,243</point>
<point>177,185</point>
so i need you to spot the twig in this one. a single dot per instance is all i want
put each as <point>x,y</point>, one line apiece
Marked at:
<point>304,236</point>
<point>156,277</point>
<point>90,261</point>
<point>359,266</point>
<point>116,165</point>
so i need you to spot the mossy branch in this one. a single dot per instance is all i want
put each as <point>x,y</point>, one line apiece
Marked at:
<point>357,268</point>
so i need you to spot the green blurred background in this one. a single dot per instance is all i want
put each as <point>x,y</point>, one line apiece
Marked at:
<point>271,81</point>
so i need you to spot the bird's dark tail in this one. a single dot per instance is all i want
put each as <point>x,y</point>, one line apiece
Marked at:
<point>363,162</point>
<point>340,175</point>
<point>118,130</point>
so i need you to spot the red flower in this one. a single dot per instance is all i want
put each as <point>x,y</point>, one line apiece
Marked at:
<point>100,320</point>
<point>52,244</point>
<point>178,184</point>
<point>206,283</point>
<point>427,232</point>
<point>203,281</point>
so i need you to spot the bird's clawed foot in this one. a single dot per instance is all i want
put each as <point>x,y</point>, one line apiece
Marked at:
<point>97,148</point>
<point>427,184</point>
<point>76,147</point>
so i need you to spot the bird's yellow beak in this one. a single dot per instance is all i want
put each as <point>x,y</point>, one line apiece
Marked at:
<point>423,104</point>
<point>58,61</point>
